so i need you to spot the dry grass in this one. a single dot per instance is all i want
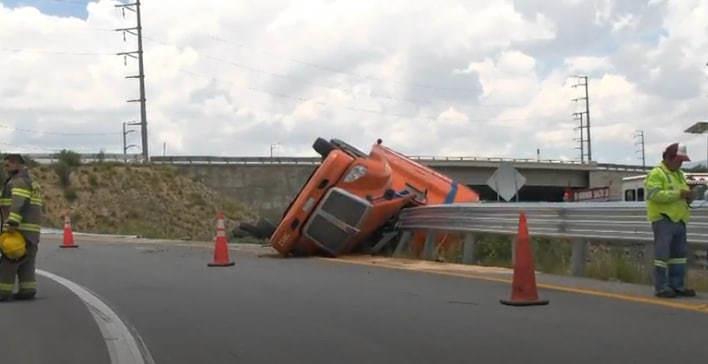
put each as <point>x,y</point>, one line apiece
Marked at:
<point>151,201</point>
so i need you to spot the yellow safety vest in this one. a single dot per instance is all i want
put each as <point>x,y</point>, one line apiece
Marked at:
<point>663,190</point>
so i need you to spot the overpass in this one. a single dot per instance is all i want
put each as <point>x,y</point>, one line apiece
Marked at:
<point>268,184</point>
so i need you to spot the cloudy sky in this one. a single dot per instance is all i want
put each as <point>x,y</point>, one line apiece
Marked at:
<point>443,77</point>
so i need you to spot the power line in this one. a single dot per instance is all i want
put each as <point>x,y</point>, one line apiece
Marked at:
<point>350,91</point>
<point>339,71</point>
<point>55,52</point>
<point>32,131</point>
<point>72,2</point>
<point>351,108</point>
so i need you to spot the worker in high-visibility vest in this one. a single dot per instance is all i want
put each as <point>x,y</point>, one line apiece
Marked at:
<point>21,211</point>
<point>668,200</point>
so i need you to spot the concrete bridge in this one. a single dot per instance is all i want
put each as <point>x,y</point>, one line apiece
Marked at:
<point>268,184</point>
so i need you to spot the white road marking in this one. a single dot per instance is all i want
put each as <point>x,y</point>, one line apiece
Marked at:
<point>123,347</point>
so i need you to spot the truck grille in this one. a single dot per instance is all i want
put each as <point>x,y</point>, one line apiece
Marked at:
<point>326,234</point>
<point>345,208</point>
<point>336,219</point>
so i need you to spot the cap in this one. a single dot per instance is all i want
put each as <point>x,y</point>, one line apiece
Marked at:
<point>677,150</point>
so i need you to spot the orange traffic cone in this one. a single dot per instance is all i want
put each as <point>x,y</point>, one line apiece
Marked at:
<point>221,250</point>
<point>523,288</point>
<point>68,234</point>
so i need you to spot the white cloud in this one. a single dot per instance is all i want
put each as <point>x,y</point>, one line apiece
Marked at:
<point>429,77</point>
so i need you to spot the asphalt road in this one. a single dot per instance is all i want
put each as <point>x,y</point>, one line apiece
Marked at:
<point>273,310</point>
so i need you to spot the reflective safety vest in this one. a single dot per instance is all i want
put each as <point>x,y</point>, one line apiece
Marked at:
<point>21,205</point>
<point>663,194</point>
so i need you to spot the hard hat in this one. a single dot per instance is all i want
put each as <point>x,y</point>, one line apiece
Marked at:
<point>12,245</point>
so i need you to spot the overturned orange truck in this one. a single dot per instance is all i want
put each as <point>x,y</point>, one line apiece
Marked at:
<point>352,195</point>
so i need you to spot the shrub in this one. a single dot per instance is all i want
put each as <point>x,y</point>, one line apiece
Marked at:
<point>63,171</point>
<point>71,158</point>
<point>70,195</point>
<point>93,181</point>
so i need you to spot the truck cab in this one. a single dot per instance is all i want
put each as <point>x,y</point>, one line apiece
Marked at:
<point>352,194</point>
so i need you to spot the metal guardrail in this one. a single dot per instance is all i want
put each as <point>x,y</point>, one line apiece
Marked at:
<point>612,221</point>
<point>86,157</point>
<point>581,223</point>
<point>492,159</point>
<point>235,160</point>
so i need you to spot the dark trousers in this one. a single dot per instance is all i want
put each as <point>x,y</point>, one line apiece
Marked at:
<point>670,252</point>
<point>24,269</point>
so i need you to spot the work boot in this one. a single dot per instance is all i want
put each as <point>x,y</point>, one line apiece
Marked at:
<point>685,292</point>
<point>666,293</point>
<point>24,296</point>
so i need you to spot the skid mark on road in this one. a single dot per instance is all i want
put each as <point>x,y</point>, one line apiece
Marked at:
<point>124,346</point>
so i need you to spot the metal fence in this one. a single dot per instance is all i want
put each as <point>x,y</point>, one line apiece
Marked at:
<point>580,223</point>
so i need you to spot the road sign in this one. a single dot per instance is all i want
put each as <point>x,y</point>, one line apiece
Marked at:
<point>506,181</point>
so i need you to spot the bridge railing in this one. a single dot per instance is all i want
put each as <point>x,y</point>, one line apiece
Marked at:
<point>432,160</point>
<point>235,160</point>
<point>579,223</point>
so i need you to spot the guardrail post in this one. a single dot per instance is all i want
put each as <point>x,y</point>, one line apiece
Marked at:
<point>402,247</point>
<point>468,249</point>
<point>429,249</point>
<point>577,261</point>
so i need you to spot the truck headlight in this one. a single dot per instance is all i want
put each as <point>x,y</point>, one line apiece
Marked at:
<point>355,173</point>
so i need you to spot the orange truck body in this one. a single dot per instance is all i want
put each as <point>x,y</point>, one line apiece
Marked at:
<point>352,195</point>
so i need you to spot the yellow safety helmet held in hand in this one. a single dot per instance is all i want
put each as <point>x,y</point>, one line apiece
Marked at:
<point>12,245</point>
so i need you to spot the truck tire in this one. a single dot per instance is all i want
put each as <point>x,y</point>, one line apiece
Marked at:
<point>266,228</point>
<point>323,147</point>
<point>262,229</point>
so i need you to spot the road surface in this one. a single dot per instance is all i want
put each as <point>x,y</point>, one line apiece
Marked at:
<point>272,310</point>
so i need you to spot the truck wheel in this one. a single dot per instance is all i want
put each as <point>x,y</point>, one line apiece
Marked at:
<point>323,147</point>
<point>266,228</point>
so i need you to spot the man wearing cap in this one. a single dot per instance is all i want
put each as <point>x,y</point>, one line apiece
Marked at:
<point>668,199</point>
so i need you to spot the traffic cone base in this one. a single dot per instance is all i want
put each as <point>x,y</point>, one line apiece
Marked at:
<point>523,286</point>
<point>68,246</point>
<point>524,303</point>
<point>227,264</point>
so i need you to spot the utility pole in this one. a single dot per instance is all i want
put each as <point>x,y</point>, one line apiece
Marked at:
<point>579,117</point>
<point>582,81</point>
<point>125,142</point>
<point>640,143</point>
<point>272,147</point>
<point>138,32</point>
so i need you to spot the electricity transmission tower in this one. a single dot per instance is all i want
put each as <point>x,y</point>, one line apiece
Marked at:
<point>125,140</point>
<point>582,81</point>
<point>137,31</point>
<point>639,135</point>
<point>581,127</point>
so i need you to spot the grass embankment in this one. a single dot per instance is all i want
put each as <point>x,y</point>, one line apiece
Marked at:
<point>152,201</point>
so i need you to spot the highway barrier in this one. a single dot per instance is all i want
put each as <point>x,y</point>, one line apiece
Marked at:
<point>579,223</point>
